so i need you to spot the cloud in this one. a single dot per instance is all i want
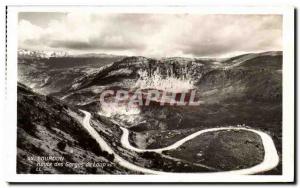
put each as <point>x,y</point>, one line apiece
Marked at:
<point>153,34</point>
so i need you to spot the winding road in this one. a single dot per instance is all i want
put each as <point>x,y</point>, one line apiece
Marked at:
<point>271,158</point>
<point>104,146</point>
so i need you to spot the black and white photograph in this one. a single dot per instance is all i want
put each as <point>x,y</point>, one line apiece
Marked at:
<point>150,93</point>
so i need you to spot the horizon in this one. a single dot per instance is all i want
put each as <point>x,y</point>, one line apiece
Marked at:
<point>198,57</point>
<point>151,35</point>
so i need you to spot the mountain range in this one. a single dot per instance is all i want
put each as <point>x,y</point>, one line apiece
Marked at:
<point>244,90</point>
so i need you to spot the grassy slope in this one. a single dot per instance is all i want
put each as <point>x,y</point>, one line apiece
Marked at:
<point>46,129</point>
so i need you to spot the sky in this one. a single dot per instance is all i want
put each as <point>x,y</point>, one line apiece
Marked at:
<point>151,35</point>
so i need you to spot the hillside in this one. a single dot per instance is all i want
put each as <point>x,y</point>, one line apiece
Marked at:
<point>46,128</point>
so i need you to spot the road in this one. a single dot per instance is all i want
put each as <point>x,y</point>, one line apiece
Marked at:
<point>104,146</point>
<point>271,158</point>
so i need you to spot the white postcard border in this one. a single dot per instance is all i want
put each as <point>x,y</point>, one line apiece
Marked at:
<point>288,98</point>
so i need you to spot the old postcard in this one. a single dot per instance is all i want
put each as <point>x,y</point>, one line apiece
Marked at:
<point>150,94</point>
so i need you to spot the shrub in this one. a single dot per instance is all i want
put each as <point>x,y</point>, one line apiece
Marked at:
<point>110,157</point>
<point>61,145</point>
<point>149,155</point>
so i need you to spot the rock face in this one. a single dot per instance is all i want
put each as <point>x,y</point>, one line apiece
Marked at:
<point>133,68</point>
<point>255,76</point>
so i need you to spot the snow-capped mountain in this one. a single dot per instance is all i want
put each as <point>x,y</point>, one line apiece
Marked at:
<point>41,53</point>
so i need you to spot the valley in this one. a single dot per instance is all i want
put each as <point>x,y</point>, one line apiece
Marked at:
<point>235,129</point>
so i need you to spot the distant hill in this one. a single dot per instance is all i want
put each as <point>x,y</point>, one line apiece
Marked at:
<point>51,73</point>
<point>253,76</point>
